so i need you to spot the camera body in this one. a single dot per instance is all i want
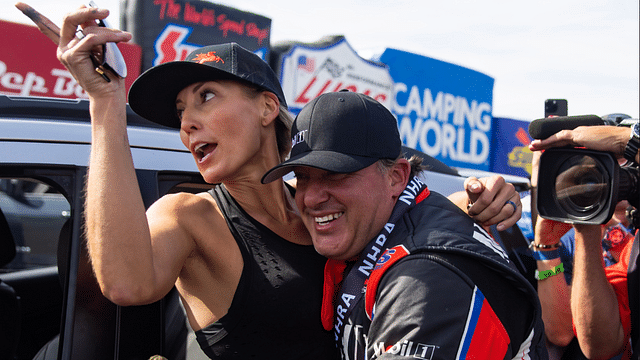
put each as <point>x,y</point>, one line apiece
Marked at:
<point>582,186</point>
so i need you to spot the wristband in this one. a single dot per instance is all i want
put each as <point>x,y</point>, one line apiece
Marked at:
<point>546,255</point>
<point>541,275</point>
<point>534,246</point>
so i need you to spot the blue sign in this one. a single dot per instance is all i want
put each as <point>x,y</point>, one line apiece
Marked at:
<point>444,110</point>
<point>511,154</point>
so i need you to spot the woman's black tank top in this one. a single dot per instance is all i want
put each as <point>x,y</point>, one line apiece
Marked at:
<point>275,312</point>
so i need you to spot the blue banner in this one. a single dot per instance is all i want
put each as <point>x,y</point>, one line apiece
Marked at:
<point>444,110</point>
<point>511,154</point>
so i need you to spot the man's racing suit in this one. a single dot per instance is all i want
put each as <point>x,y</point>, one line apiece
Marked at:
<point>444,289</point>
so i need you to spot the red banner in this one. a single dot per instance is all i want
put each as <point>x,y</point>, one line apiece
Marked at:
<point>29,67</point>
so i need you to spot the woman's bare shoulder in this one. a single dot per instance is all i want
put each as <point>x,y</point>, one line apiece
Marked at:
<point>184,207</point>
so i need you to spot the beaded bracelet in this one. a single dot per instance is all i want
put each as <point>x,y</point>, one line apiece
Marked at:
<point>533,245</point>
<point>541,275</point>
<point>546,255</point>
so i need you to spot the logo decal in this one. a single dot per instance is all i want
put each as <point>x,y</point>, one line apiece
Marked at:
<point>409,349</point>
<point>298,138</point>
<point>171,44</point>
<point>388,258</point>
<point>208,57</point>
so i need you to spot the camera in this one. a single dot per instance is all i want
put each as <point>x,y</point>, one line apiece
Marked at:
<point>582,186</point>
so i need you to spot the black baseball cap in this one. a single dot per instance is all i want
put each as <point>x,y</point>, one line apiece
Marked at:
<point>341,132</point>
<point>153,94</point>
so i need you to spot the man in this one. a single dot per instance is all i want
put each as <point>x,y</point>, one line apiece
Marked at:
<point>420,278</point>
<point>604,302</point>
<point>553,246</point>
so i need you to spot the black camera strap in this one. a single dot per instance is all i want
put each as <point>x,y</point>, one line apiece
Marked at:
<point>633,286</point>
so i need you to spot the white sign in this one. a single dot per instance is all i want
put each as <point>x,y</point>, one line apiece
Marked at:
<point>307,71</point>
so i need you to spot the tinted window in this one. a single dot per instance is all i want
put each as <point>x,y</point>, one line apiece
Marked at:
<point>35,213</point>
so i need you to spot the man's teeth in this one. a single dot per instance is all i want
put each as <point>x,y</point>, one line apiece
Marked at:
<point>326,219</point>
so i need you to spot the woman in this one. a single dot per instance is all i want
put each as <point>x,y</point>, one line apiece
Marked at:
<point>239,255</point>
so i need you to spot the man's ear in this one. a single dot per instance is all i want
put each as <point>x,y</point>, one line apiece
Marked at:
<point>399,176</point>
<point>271,107</point>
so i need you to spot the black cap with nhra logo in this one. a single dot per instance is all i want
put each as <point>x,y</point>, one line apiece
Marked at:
<point>153,94</point>
<point>341,132</point>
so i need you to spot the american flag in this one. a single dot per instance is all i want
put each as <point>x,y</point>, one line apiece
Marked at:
<point>307,64</point>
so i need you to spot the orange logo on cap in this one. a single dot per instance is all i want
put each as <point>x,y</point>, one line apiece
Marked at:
<point>210,56</point>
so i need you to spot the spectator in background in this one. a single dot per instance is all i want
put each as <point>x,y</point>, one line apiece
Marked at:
<point>602,299</point>
<point>555,291</point>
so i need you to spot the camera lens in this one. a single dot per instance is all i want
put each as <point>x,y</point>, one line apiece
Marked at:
<point>582,186</point>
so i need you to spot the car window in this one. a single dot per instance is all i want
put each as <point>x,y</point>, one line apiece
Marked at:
<point>35,213</point>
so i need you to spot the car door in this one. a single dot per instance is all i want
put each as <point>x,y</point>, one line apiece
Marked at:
<point>51,274</point>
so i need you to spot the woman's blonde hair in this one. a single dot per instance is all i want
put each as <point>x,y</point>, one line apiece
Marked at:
<point>283,132</point>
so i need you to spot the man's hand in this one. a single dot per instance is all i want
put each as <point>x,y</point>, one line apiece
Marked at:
<point>493,201</point>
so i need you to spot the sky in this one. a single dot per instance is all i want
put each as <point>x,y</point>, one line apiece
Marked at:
<point>584,51</point>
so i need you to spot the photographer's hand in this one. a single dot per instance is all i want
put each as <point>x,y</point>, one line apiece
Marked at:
<point>599,138</point>
<point>554,293</point>
<point>549,232</point>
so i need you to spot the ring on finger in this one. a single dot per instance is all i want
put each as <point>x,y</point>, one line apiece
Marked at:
<point>509,202</point>
<point>80,34</point>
